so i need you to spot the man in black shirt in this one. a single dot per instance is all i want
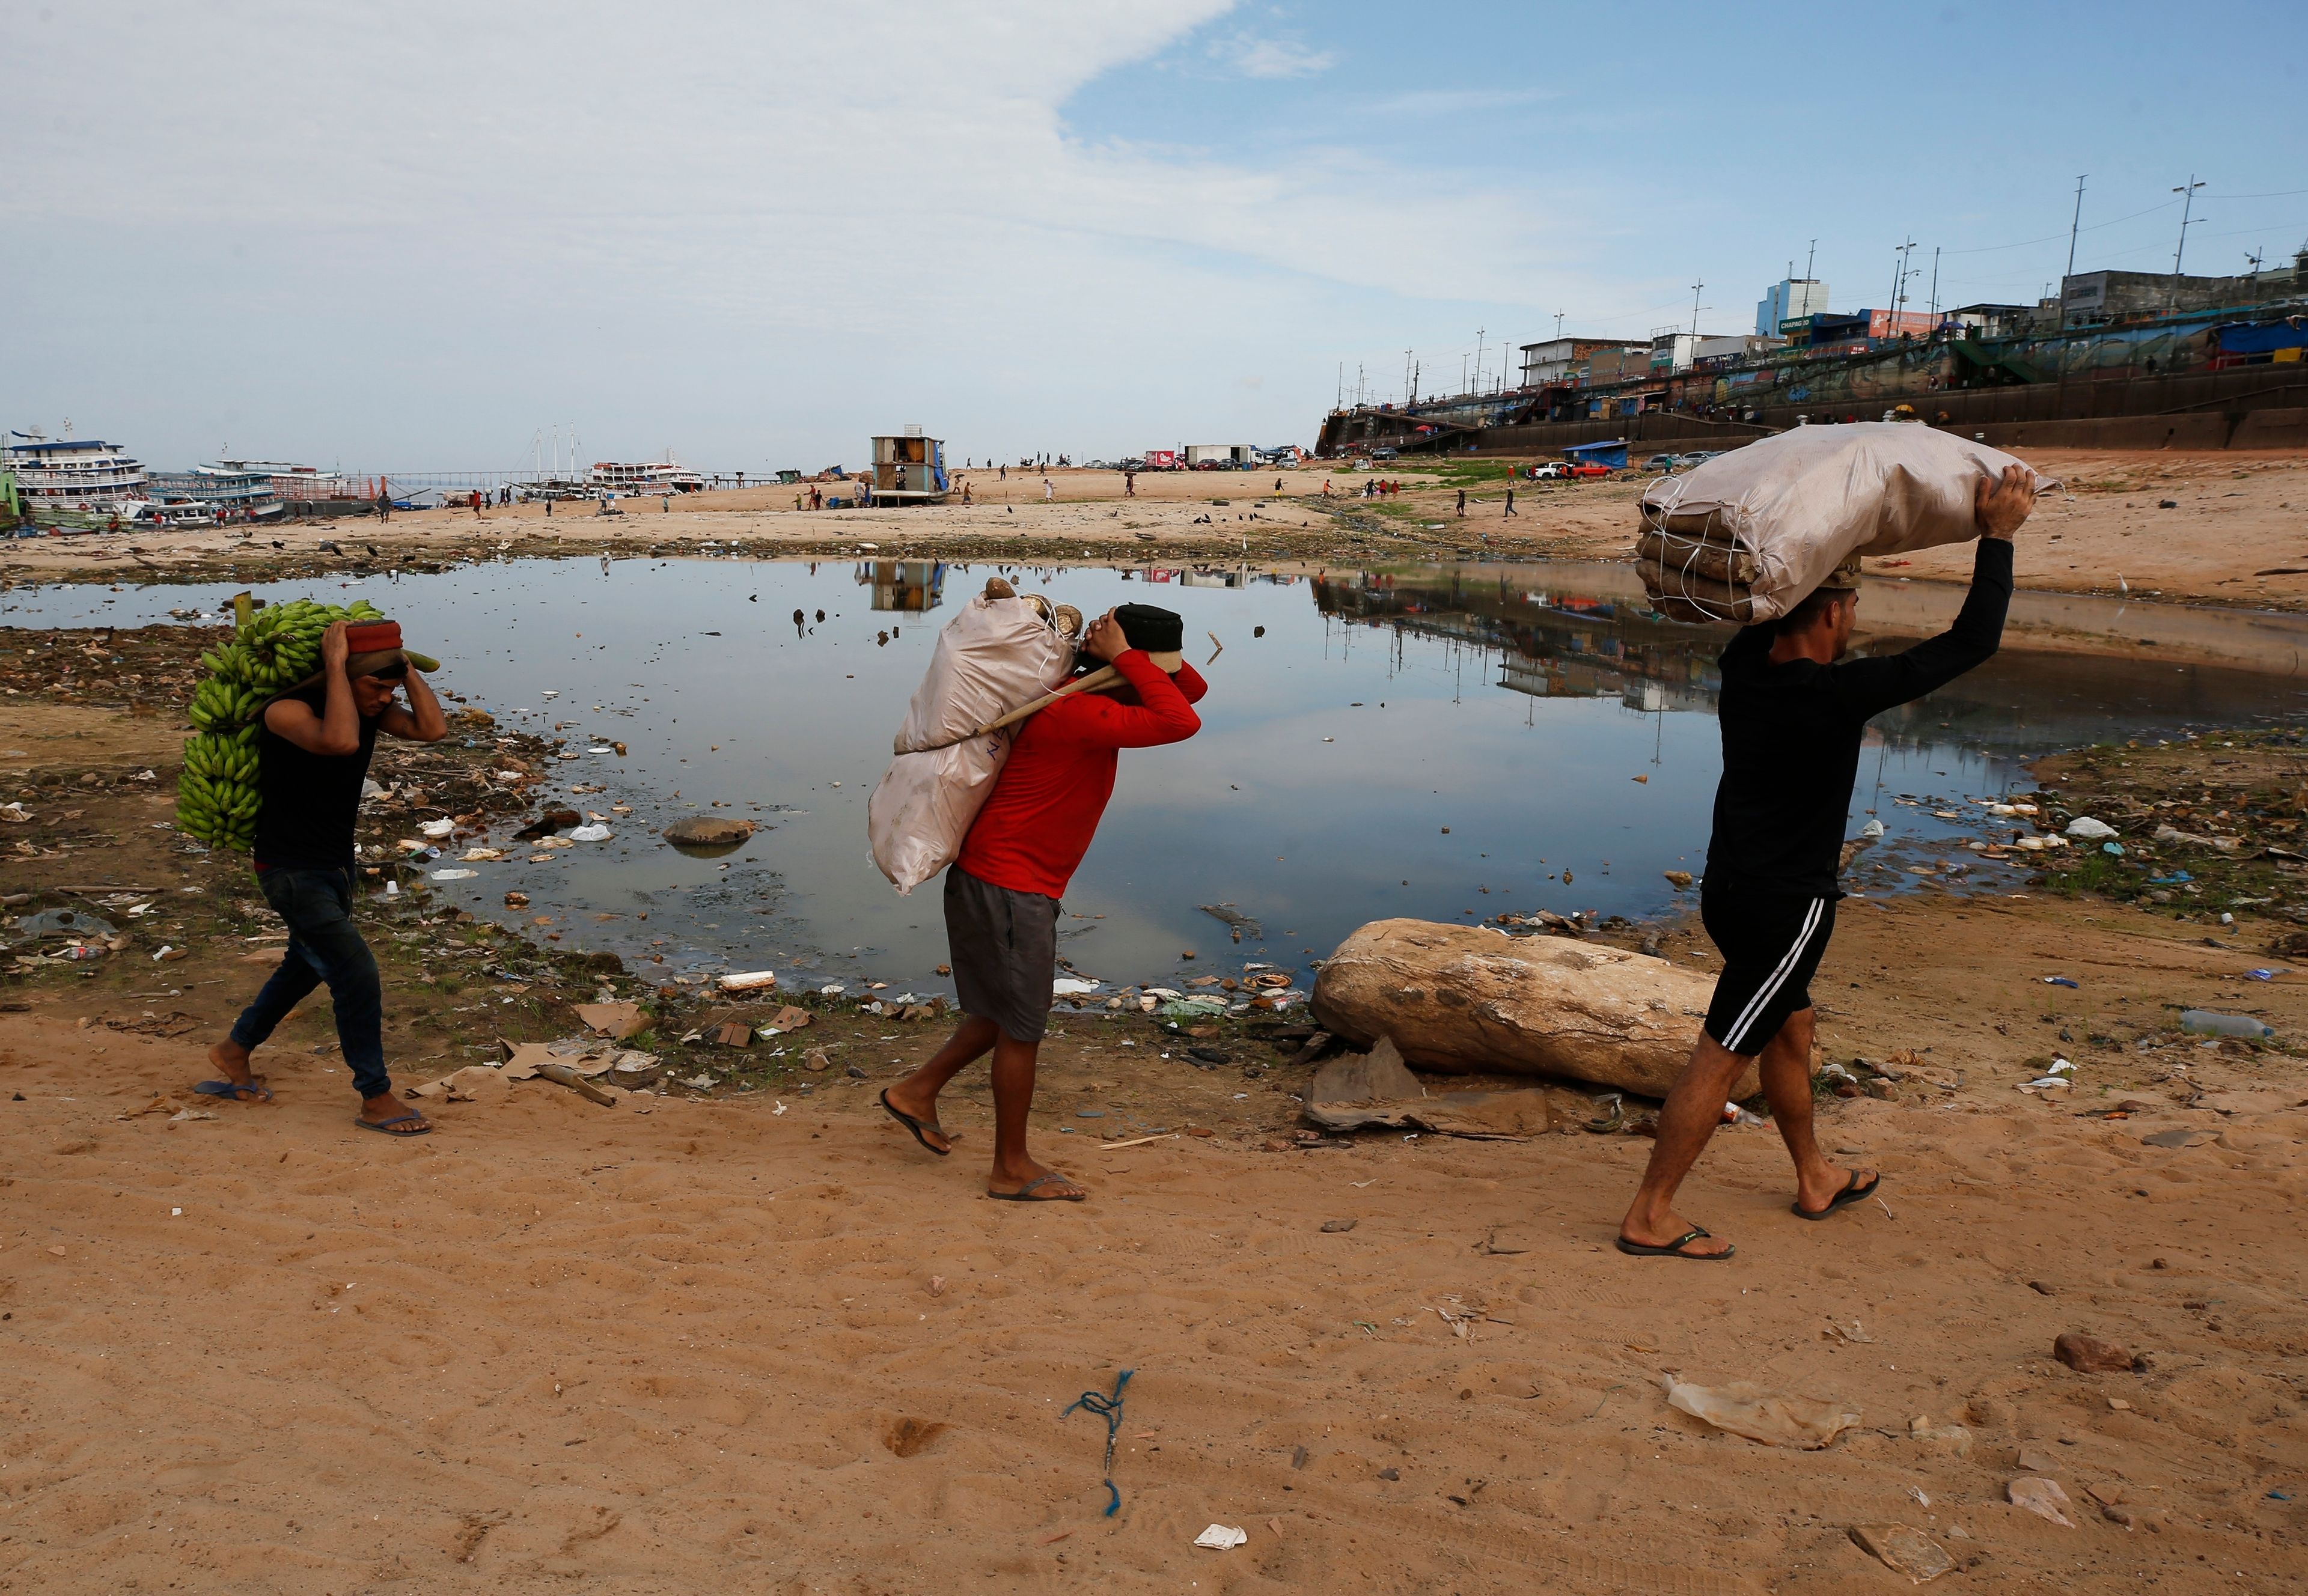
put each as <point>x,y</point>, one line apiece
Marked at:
<point>312,755</point>
<point>1794,711</point>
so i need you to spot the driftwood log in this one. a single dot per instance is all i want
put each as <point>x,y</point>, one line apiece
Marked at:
<point>1466,999</point>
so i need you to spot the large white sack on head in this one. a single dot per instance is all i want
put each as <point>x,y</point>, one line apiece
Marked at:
<point>995,656</point>
<point>1812,497</point>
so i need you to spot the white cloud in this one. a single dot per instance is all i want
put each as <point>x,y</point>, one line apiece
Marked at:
<point>1256,57</point>
<point>740,226</point>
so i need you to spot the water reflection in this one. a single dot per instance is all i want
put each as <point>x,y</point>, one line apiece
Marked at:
<point>1446,742</point>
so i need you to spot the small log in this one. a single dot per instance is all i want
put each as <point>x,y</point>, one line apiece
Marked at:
<point>1469,999</point>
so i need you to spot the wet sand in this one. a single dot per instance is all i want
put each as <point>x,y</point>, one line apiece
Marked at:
<point>2236,516</point>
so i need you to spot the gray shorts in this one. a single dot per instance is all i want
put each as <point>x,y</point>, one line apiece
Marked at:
<point>1003,949</point>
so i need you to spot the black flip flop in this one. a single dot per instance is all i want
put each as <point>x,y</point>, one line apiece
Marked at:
<point>1025,1194</point>
<point>1674,1249</point>
<point>916,1126</point>
<point>1852,1192</point>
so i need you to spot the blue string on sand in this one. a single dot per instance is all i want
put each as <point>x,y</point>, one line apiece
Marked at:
<point>1109,1408</point>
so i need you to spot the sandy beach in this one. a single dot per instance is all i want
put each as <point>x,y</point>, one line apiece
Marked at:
<point>2233,535</point>
<point>768,1345</point>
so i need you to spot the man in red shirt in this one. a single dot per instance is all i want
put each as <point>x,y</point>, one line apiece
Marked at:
<point>1001,891</point>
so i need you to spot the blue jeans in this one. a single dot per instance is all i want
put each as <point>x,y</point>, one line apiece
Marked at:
<point>317,906</point>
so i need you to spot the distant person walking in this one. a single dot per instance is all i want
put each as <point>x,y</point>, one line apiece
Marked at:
<point>1130,485</point>
<point>1048,492</point>
<point>477,504</point>
<point>1511,509</point>
<point>1794,712</point>
<point>384,504</point>
<point>1462,504</point>
<point>1002,474</point>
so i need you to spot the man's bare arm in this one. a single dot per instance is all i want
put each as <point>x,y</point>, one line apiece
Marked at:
<point>336,731</point>
<point>423,721</point>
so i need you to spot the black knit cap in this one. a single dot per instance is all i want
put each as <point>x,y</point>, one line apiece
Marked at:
<point>1149,627</point>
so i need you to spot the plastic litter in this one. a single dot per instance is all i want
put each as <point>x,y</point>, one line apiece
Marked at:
<point>437,827</point>
<point>1072,986</point>
<point>64,923</point>
<point>2263,974</point>
<point>1871,830</point>
<point>750,979</point>
<point>2061,981</point>
<point>1221,1537</point>
<point>2203,1022</point>
<point>2174,879</point>
<point>595,833</point>
<point>455,875</point>
<point>2089,829</point>
<point>1747,1410</point>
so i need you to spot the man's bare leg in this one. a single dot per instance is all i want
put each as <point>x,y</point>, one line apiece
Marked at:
<point>916,1096</point>
<point>1692,1109</point>
<point>231,1060</point>
<point>1013,1100</point>
<point>1786,1067</point>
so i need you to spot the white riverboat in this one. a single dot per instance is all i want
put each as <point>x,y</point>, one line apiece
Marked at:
<point>74,482</point>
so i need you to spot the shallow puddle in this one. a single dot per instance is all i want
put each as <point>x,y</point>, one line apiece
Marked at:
<point>1450,742</point>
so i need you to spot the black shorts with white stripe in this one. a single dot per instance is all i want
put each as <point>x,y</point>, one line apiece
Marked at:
<point>1771,942</point>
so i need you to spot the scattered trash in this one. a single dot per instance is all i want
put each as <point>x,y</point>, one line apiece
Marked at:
<point>476,855</point>
<point>2264,975</point>
<point>1221,1537</point>
<point>1072,986</point>
<point>437,827</point>
<point>2089,829</point>
<point>816,1062</point>
<point>748,980</point>
<point>2063,981</point>
<point>64,923</point>
<point>1109,1408</point>
<point>181,1116</point>
<point>594,833</point>
<point>454,874</point>
<point>1904,1550</point>
<point>2042,1497</point>
<point>615,1021</point>
<point>1745,1408</point>
<point>1872,831</point>
<point>2203,1022</point>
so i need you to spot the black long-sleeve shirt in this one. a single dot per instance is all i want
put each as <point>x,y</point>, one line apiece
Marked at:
<point>1791,737</point>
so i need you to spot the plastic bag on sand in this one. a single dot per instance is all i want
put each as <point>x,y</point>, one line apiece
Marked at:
<point>998,655</point>
<point>1805,501</point>
<point>1750,1410</point>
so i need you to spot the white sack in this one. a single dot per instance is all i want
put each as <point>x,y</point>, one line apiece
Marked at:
<point>1809,499</point>
<point>995,656</point>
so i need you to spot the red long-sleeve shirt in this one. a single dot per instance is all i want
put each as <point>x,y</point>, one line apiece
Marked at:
<point>1045,808</point>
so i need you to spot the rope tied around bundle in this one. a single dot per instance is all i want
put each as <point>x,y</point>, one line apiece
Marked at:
<point>1109,1408</point>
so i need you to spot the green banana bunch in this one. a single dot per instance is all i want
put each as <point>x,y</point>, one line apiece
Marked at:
<point>274,650</point>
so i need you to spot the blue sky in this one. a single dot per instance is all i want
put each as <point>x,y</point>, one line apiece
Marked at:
<point>755,233</point>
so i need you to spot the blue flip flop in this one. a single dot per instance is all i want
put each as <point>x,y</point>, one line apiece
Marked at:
<point>238,1091</point>
<point>385,1127</point>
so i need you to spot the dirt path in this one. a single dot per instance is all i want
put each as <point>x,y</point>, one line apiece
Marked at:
<point>700,1345</point>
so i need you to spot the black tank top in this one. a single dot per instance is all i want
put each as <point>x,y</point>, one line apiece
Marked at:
<point>310,801</point>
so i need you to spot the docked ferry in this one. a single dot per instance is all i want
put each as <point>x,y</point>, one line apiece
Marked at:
<point>74,481</point>
<point>643,477</point>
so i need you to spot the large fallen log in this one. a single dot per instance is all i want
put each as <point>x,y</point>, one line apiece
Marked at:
<point>1466,1000</point>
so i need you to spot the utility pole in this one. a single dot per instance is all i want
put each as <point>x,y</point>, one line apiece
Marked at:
<point>2187,214</point>
<point>1558,327</point>
<point>1899,281</point>
<point>1339,403</point>
<point>1406,394</point>
<point>1807,261</point>
<point>1695,288</point>
<point>1935,286</point>
<point>1478,357</point>
<point>2075,223</point>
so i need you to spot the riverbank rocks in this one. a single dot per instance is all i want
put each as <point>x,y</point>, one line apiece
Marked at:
<point>2089,1355</point>
<point>708,834</point>
<point>1463,1000</point>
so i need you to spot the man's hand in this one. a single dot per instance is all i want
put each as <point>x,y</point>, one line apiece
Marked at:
<point>334,650</point>
<point>1104,641</point>
<point>2000,506</point>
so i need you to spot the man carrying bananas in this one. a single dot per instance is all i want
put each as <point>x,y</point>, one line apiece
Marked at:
<point>312,755</point>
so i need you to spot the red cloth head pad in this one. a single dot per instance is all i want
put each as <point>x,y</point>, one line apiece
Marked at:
<point>372,637</point>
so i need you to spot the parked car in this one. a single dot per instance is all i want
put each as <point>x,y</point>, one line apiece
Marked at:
<point>1660,462</point>
<point>1550,471</point>
<point>1384,454</point>
<point>1585,468</point>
